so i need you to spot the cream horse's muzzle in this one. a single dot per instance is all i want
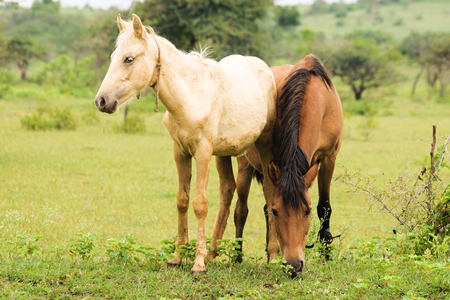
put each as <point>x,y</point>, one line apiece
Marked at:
<point>104,106</point>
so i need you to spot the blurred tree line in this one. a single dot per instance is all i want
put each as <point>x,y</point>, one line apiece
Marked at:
<point>69,48</point>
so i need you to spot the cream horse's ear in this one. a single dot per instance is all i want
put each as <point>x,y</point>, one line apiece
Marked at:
<point>137,26</point>
<point>120,23</point>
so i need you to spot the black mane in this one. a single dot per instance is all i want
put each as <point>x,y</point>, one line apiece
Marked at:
<point>289,157</point>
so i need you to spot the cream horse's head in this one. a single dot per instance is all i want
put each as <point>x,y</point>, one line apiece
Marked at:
<point>132,68</point>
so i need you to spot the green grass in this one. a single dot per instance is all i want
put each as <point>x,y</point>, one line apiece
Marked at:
<point>93,180</point>
<point>396,19</point>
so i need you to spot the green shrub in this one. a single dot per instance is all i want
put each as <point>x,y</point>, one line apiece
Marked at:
<point>47,118</point>
<point>72,78</point>
<point>420,204</point>
<point>361,108</point>
<point>131,124</point>
<point>5,82</point>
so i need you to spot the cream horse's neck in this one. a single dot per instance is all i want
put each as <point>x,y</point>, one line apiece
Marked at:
<point>179,75</point>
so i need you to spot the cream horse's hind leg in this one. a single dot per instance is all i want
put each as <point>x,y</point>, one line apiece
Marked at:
<point>184,169</point>
<point>227,188</point>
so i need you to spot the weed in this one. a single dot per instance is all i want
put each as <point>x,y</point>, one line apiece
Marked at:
<point>282,264</point>
<point>229,249</point>
<point>83,245</point>
<point>25,246</point>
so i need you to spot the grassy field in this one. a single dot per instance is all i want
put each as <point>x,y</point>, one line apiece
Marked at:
<point>396,19</point>
<point>96,181</point>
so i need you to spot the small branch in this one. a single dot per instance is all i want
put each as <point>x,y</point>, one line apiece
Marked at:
<point>379,200</point>
<point>432,174</point>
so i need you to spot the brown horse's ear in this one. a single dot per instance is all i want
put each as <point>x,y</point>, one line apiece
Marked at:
<point>120,23</point>
<point>138,27</point>
<point>274,172</point>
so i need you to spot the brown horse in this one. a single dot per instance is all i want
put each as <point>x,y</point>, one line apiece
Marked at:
<point>306,141</point>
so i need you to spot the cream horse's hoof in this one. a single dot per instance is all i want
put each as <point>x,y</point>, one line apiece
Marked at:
<point>198,270</point>
<point>174,263</point>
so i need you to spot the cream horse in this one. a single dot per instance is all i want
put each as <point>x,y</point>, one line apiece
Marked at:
<point>213,108</point>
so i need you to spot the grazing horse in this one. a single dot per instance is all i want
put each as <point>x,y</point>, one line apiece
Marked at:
<point>212,109</point>
<point>306,141</point>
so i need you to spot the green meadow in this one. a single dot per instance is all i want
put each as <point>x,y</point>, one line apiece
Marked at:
<point>89,212</point>
<point>95,181</point>
<point>396,19</point>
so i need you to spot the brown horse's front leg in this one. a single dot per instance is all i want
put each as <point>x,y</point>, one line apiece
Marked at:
<point>227,188</point>
<point>184,169</point>
<point>243,183</point>
<point>324,207</point>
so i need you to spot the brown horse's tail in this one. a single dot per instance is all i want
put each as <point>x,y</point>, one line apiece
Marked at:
<point>289,157</point>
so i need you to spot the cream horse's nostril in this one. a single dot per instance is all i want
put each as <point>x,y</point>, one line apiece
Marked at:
<point>100,102</point>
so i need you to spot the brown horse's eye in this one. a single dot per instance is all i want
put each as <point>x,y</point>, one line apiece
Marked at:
<point>275,212</point>
<point>128,60</point>
<point>307,212</point>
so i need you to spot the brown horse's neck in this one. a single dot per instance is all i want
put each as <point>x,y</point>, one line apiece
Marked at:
<point>290,158</point>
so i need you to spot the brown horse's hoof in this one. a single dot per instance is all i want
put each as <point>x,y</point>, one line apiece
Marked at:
<point>211,255</point>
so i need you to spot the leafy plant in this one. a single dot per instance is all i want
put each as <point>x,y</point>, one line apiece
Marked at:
<point>282,264</point>
<point>230,249</point>
<point>187,252</point>
<point>125,250</point>
<point>83,245</point>
<point>25,245</point>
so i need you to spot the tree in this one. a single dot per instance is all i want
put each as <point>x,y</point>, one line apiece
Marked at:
<point>287,16</point>
<point>431,51</point>
<point>21,50</point>
<point>229,26</point>
<point>361,65</point>
<point>7,3</point>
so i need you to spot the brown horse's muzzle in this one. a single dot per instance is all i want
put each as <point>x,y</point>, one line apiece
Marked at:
<point>104,106</point>
<point>297,267</point>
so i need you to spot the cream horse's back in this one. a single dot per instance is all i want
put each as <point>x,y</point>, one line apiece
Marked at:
<point>228,114</point>
<point>212,108</point>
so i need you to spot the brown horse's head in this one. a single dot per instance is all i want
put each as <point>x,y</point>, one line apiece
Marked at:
<point>291,207</point>
<point>132,68</point>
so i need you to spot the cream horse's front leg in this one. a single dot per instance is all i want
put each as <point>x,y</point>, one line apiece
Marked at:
<point>200,204</point>
<point>184,169</point>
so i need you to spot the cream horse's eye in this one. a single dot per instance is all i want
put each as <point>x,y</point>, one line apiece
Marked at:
<point>129,60</point>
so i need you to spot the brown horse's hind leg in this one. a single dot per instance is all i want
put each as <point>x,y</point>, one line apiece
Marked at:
<point>227,188</point>
<point>184,168</point>
<point>244,181</point>
<point>324,207</point>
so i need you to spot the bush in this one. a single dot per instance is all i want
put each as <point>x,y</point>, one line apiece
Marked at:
<point>72,78</point>
<point>5,82</point>
<point>361,108</point>
<point>131,124</point>
<point>48,118</point>
<point>420,204</point>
